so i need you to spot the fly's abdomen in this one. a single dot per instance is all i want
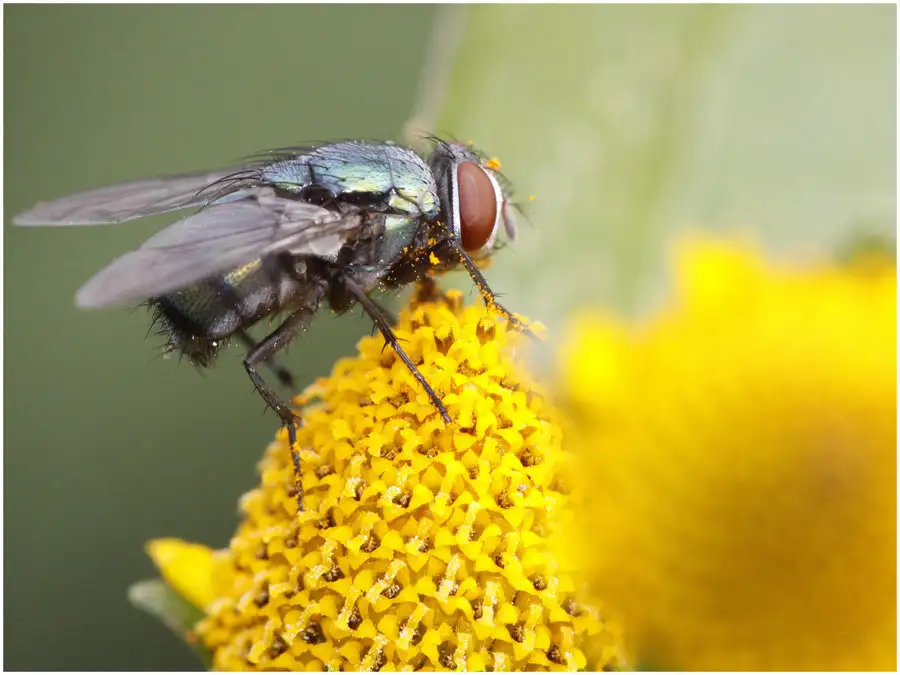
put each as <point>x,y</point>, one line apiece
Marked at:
<point>197,320</point>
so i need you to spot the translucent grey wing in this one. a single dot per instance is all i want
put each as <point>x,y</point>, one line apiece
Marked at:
<point>127,201</point>
<point>215,240</point>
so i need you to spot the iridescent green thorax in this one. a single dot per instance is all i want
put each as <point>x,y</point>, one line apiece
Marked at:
<point>381,175</point>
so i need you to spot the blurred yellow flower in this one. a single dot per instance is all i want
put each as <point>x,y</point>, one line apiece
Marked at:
<point>422,545</point>
<point>739,451</point>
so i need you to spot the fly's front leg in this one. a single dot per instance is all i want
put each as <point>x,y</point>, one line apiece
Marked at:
<point>375,312</point>
<point>489,299</point>
<point>262,352</point>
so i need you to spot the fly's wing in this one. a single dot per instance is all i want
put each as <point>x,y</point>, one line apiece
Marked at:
<point>215,240</point>
<point>127,201</point>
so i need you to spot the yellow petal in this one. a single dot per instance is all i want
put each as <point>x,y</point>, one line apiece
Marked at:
<point>186,567</point>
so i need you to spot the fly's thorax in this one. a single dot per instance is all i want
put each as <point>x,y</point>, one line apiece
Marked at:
<point>390,188</point>
<point>382,242</point>
<point>414,202</point>
<point>396,241</point>
<point>382,176</point>
<point>198,319</point>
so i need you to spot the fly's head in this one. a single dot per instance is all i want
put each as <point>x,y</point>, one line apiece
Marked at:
<point>474,198</point>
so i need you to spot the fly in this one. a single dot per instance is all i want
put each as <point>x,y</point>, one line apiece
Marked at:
<point>287,232</point>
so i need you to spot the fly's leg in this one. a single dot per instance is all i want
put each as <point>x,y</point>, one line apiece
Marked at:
<point>284,376</point>
<point>262,352</point>
<point>486,292</point>
<point>387,314</point>
<point>377,315</point>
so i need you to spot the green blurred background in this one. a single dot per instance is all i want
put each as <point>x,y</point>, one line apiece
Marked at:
<point>107,446</point>
<point>629,124</point>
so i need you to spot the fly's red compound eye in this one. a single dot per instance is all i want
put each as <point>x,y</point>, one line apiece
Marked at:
<point>477,205</point>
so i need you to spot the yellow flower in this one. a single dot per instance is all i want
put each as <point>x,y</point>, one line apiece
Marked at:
<point>739,452</point>
<point>422,545</point>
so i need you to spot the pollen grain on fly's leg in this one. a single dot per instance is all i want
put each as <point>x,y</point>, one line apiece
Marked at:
<point>393,564</point>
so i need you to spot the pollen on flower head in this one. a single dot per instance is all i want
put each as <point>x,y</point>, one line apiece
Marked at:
<point>422,545</point>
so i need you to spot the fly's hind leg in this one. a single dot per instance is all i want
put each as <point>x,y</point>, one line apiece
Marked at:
<point>263,352</point>
<point>285,377</point>
<point>233,299</point>
<point>375,312</point>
